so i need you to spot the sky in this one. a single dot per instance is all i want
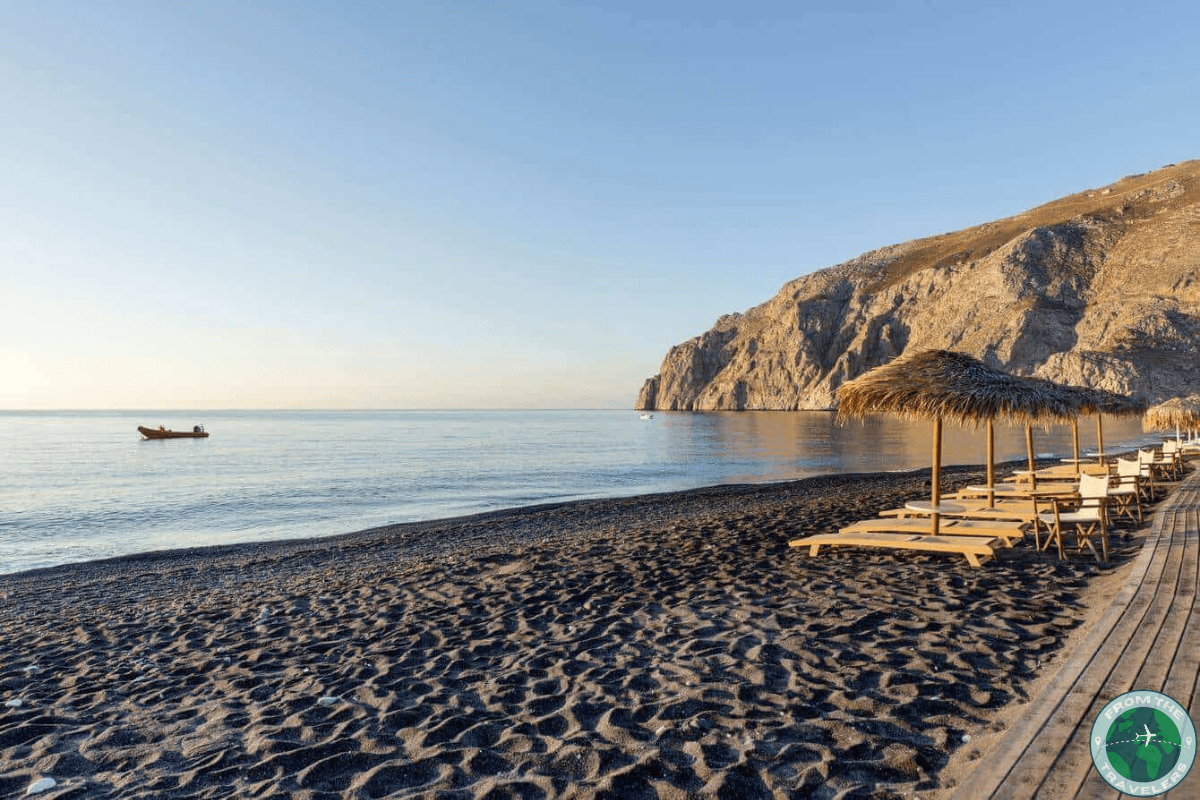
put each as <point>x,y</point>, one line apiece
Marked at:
<point>512,204</point>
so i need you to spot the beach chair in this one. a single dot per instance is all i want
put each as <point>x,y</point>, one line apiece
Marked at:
<point>1172,459</point>
<point>974,508</point>
<point>1058,472</point>
<point>1089,519</point>
<point>1126,495</point>
<point>1147,483</point>
<point>976,549</point>
<point>1013,493</point>
<point>1019,480</point>
<point>1008,531</point>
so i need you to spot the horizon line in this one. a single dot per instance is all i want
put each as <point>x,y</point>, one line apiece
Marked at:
<point>132,409</point>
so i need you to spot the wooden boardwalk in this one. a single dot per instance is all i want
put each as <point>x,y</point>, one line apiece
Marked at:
<point>1149,640</point>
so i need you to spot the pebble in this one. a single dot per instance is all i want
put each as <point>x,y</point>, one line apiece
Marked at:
<point>327,701</point>
<point>42,785</point>
<point>16,703</point>
<point>966,738</point>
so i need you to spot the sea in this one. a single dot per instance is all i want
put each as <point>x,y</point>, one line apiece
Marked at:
<point>83,485</point>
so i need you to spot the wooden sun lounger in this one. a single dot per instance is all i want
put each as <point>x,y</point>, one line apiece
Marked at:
<point>1012,511</point>
<point>1013,492</point>
<point>1006,530</point>
<point>1061,482</point>
<point>976,505</point>
<point>1062,472</point>
<point>974,548</point>
<point>999,514</point>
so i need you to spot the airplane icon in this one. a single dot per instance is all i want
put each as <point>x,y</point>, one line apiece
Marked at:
<point>1148,735</point>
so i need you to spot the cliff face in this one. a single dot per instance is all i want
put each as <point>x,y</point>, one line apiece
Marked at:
<point>1097,289</point>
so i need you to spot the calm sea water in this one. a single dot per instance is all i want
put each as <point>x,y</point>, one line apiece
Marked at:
<point>77,486</point>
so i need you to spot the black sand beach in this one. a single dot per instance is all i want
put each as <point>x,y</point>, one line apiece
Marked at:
<point>664,646</point>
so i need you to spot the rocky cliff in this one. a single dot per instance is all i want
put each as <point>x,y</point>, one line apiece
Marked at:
<point>1100,289</point>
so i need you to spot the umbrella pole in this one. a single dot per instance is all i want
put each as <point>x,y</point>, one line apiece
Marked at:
<point>1029,450</point>
<point>1075,438</point>
<point>991,464</point>
<point>937,471</point>
<point>1100,437</point>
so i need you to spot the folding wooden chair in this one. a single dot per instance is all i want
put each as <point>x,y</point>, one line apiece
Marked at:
<point>1090,519</point>
<point>1172,458</point>
<point>1147,484</point>
<point>1127,494</point>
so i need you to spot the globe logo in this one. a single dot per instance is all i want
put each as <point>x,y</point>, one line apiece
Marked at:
<point>1143,759</point>
<point>1143,743</point>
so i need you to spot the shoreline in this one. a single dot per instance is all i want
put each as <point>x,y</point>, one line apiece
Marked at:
<point>418,533</point>
<point>667,645</point>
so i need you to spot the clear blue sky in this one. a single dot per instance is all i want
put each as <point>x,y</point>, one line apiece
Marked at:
<point>512,204</point>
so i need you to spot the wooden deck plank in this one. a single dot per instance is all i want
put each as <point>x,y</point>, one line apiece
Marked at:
<point>1065,729</point>
<point>1142,667</point>
<point>1186,666</point>
<point>1046,754</point>
<point>1169,649</point>
<point>1185,678</point>
<point>1018,767</point>
<point>1185,663</point>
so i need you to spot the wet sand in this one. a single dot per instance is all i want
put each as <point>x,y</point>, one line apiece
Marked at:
<point>664,646</point>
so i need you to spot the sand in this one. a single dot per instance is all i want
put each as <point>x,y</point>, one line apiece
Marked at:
<point>665,646</point>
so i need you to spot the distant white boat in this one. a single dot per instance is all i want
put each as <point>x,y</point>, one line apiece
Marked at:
<point>647,416</point>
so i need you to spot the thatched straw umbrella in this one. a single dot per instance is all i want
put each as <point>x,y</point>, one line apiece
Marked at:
<point>940,385</point>
<point>1075,397</point>
<point>1177,413</point>
<point>1101,402</point>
